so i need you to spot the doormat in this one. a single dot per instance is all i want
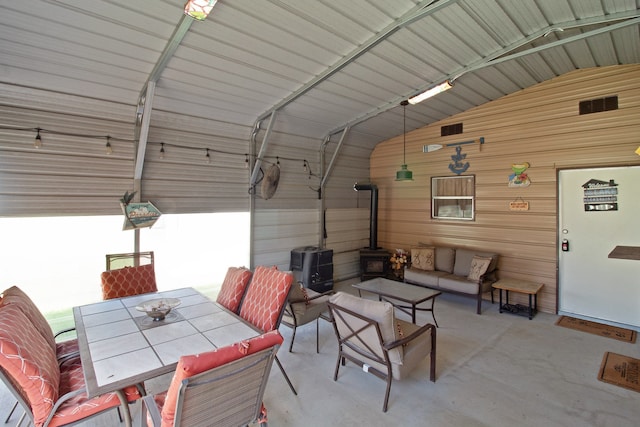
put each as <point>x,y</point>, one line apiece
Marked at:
<point>620,334</point>
<point>620,370</point>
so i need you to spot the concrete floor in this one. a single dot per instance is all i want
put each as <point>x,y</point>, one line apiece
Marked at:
<point>492,370</point>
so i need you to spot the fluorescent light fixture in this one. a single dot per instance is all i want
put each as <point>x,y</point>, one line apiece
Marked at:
<point>446,85</point>
<point>199,9</point>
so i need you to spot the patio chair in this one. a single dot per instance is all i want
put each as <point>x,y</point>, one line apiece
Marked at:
<point>51,392</point>
<point>131,259</point>
<point>128,281</point>
<point>304,306</point>
<point>370,336</point>
<point>233,288</point>
<point>222,388</point>
<point>264,302</point>
<point>63,349</point>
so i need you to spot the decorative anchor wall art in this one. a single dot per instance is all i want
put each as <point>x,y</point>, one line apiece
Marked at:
<point>457,166</point>
<point>518,178</point>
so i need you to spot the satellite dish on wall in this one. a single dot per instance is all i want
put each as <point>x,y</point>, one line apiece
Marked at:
<point>270,182</point>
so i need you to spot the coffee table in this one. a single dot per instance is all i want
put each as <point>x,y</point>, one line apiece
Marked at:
<point>403,292</point>
<point>523,287</point>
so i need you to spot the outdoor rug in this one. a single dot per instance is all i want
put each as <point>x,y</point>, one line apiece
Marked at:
<point>620,370</point>
<point>620,334</point>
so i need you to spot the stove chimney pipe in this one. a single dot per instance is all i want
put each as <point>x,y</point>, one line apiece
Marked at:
<point>373,216</point>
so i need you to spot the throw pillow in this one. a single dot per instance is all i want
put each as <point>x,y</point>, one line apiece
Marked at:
<point>298,293</point>
<point>423,258</point>
<point>479,266</point>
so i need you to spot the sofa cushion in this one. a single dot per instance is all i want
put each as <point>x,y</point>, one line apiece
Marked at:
<point>445,258</point>
<point>423,277</point>
<point>479,266</point>
<point>423,258</point>
<point>464,257</point>
<point>451,282</point>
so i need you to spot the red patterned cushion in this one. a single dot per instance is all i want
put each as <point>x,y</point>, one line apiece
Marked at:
<point>15,295</point>
<point>29,360</point>
<point>266,297</point>
<point>233,287</point>
<point>191,365</point>
<point>79,407</point>
<point>128,281</point>
<point>66,348</point>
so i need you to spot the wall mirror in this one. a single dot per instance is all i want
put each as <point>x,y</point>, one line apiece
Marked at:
<point>453,197</point>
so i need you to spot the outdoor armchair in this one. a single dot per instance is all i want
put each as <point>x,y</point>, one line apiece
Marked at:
<point>304,306</point>
<point>219,388</point>
<point>370,336</point>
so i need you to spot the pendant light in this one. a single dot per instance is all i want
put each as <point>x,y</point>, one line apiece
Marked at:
<point>404,174</point>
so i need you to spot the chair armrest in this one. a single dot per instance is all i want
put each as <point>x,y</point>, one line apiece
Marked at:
<point>150,405</point>
<point>411,337</point>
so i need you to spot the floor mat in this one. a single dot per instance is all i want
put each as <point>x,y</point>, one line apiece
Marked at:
<point>620,370</point>
<point>620,334</point>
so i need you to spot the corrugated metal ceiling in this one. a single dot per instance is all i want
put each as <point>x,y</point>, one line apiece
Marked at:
<point>323,63</point>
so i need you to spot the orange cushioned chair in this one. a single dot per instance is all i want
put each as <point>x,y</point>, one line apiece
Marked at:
<point>264,302</point>
<point>223,387</point>
<point>128,281</point>
<point>63,350</point>
<point>51,392</point>
<point>233,288</point>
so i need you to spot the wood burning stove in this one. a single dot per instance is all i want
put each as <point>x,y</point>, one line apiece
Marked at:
<point>374,261</point>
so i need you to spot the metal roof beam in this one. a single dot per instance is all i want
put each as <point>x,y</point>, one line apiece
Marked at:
<point>497,57</point>
<point>145,99</point>
<point>422,9</point>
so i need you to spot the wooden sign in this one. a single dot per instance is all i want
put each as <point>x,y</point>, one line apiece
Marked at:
<point>518,205</point>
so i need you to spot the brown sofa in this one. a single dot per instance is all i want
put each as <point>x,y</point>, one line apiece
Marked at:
<point>460,271</point>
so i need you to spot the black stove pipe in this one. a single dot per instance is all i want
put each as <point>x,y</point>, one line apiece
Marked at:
<point>373,220</point>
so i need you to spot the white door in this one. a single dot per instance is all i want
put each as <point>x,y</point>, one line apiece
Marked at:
<point>590,284</point>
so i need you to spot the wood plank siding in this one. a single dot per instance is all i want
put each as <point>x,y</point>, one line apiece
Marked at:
<point>539,125</point>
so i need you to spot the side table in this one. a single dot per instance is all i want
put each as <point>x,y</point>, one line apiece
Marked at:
<point>523,287</point>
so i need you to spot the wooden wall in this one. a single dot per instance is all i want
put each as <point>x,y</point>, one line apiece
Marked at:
<point>539,125</point>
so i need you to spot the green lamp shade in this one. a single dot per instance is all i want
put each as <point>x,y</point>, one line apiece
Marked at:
<point>404,174</point>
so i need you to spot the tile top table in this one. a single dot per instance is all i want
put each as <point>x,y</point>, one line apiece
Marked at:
<point>400,291</point>
<point>121,346</point>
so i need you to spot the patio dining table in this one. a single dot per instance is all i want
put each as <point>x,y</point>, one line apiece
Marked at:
<point>121,346</point>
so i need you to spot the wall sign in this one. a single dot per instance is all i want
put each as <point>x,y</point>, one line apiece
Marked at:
<point>519,205</point>
<point>518,178</point>
<point>600,195</point>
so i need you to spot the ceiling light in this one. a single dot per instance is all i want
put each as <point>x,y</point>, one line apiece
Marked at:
<point>446,85</point>
<point>199,9</point>
<point>404,174</point>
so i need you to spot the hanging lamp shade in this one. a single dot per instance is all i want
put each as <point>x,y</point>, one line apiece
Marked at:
<point>404,174</point>
<point>199,9</point>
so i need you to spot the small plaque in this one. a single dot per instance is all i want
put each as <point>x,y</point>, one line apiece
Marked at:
<point>519,206</point>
